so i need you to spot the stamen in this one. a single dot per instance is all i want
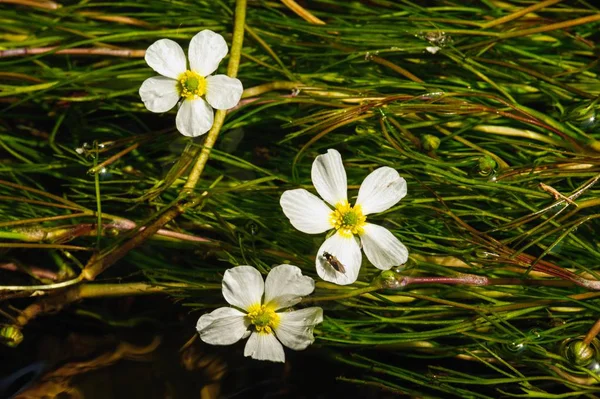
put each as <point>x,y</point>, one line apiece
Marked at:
<point>191,85</point>
<point>347,220</point>
<point>264,318</point>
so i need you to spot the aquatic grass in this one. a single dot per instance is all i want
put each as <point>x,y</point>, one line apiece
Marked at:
<point>501,272</point>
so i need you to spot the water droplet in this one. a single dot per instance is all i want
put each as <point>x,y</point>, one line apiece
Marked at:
<point>516,347</point>
<point>584,115</point>
<point>535,333</point>
<point>594,366</point>
<point>483,254</point>
<point>252,227</point>
<point>104,174</point>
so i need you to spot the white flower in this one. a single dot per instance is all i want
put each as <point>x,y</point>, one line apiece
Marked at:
<point>263,319</point>
<point>380,190</point>
<point>194,85</point>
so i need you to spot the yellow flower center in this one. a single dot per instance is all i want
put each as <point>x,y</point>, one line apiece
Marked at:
<point>191,85</point>
<point>264,318</point>
<point>347,220</point>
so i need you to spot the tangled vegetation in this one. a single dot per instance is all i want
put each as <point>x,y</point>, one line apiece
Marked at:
<point>487,109</point>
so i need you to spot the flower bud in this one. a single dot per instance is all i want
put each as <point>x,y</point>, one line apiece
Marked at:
<point>580,353</point>
<point>486,165</point>
<point>430,142</point>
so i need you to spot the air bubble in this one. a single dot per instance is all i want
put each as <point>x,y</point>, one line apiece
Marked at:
<point>483,254</point>
<point>516,347</point>
<point>104,174</point>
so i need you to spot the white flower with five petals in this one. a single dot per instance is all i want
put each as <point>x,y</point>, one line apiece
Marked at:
<point>200,92</point>
<point>263,317</point>
<point>380,190</point>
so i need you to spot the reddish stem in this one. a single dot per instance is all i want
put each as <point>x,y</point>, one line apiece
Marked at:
<point>36,271</point>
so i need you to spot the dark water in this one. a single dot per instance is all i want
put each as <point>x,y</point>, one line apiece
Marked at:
<point>72,354</point>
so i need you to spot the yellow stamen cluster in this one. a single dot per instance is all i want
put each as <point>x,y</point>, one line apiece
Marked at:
<point>264,318</point>
<point>191,85</point>
<point>348,220</point>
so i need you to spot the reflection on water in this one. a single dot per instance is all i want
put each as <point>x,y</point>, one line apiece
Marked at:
<point>67,356</point>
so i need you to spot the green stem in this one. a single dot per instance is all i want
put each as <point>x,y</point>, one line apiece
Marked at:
<point>232,70</point>
<point>347,294</point>
<point>550,27</point>
<point>97,265</point>
<point>519,14</point>
<point>98,199</point>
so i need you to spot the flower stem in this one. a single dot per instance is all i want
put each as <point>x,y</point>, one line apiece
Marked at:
<point>97,264</point>
<point>595,330</point>
<point>232,70</point>
<point>347,294</point>
<point>471,279</point>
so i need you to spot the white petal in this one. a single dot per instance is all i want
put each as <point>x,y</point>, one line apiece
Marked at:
<point>285,286</point>
<point>382,248</point>
<point>194,118</point>
<point>264,347</point>
<point>223,326</point>
<point>223,92</point>
<point>295,329</point>
<point>206,51</point>
<point>166,57</point>
<point>159,94</point>
<point>243,286</point>
<point>307,212</point>
<point>329,177</point>
<point>347,251</point>
<point>381,190</point>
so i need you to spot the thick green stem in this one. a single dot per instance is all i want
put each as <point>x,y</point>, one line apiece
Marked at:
<point>98,265</point>
<point>232,70</point>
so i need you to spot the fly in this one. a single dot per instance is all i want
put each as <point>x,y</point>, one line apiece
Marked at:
<point>334,262</point>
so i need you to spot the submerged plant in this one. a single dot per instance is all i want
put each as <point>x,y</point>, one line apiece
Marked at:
<point>380,190</point>
<point>260,311</point>
<point>195,86</point>
<point>488,109</point>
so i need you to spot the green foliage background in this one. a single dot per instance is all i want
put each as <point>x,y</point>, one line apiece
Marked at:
<point>474,123</point>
